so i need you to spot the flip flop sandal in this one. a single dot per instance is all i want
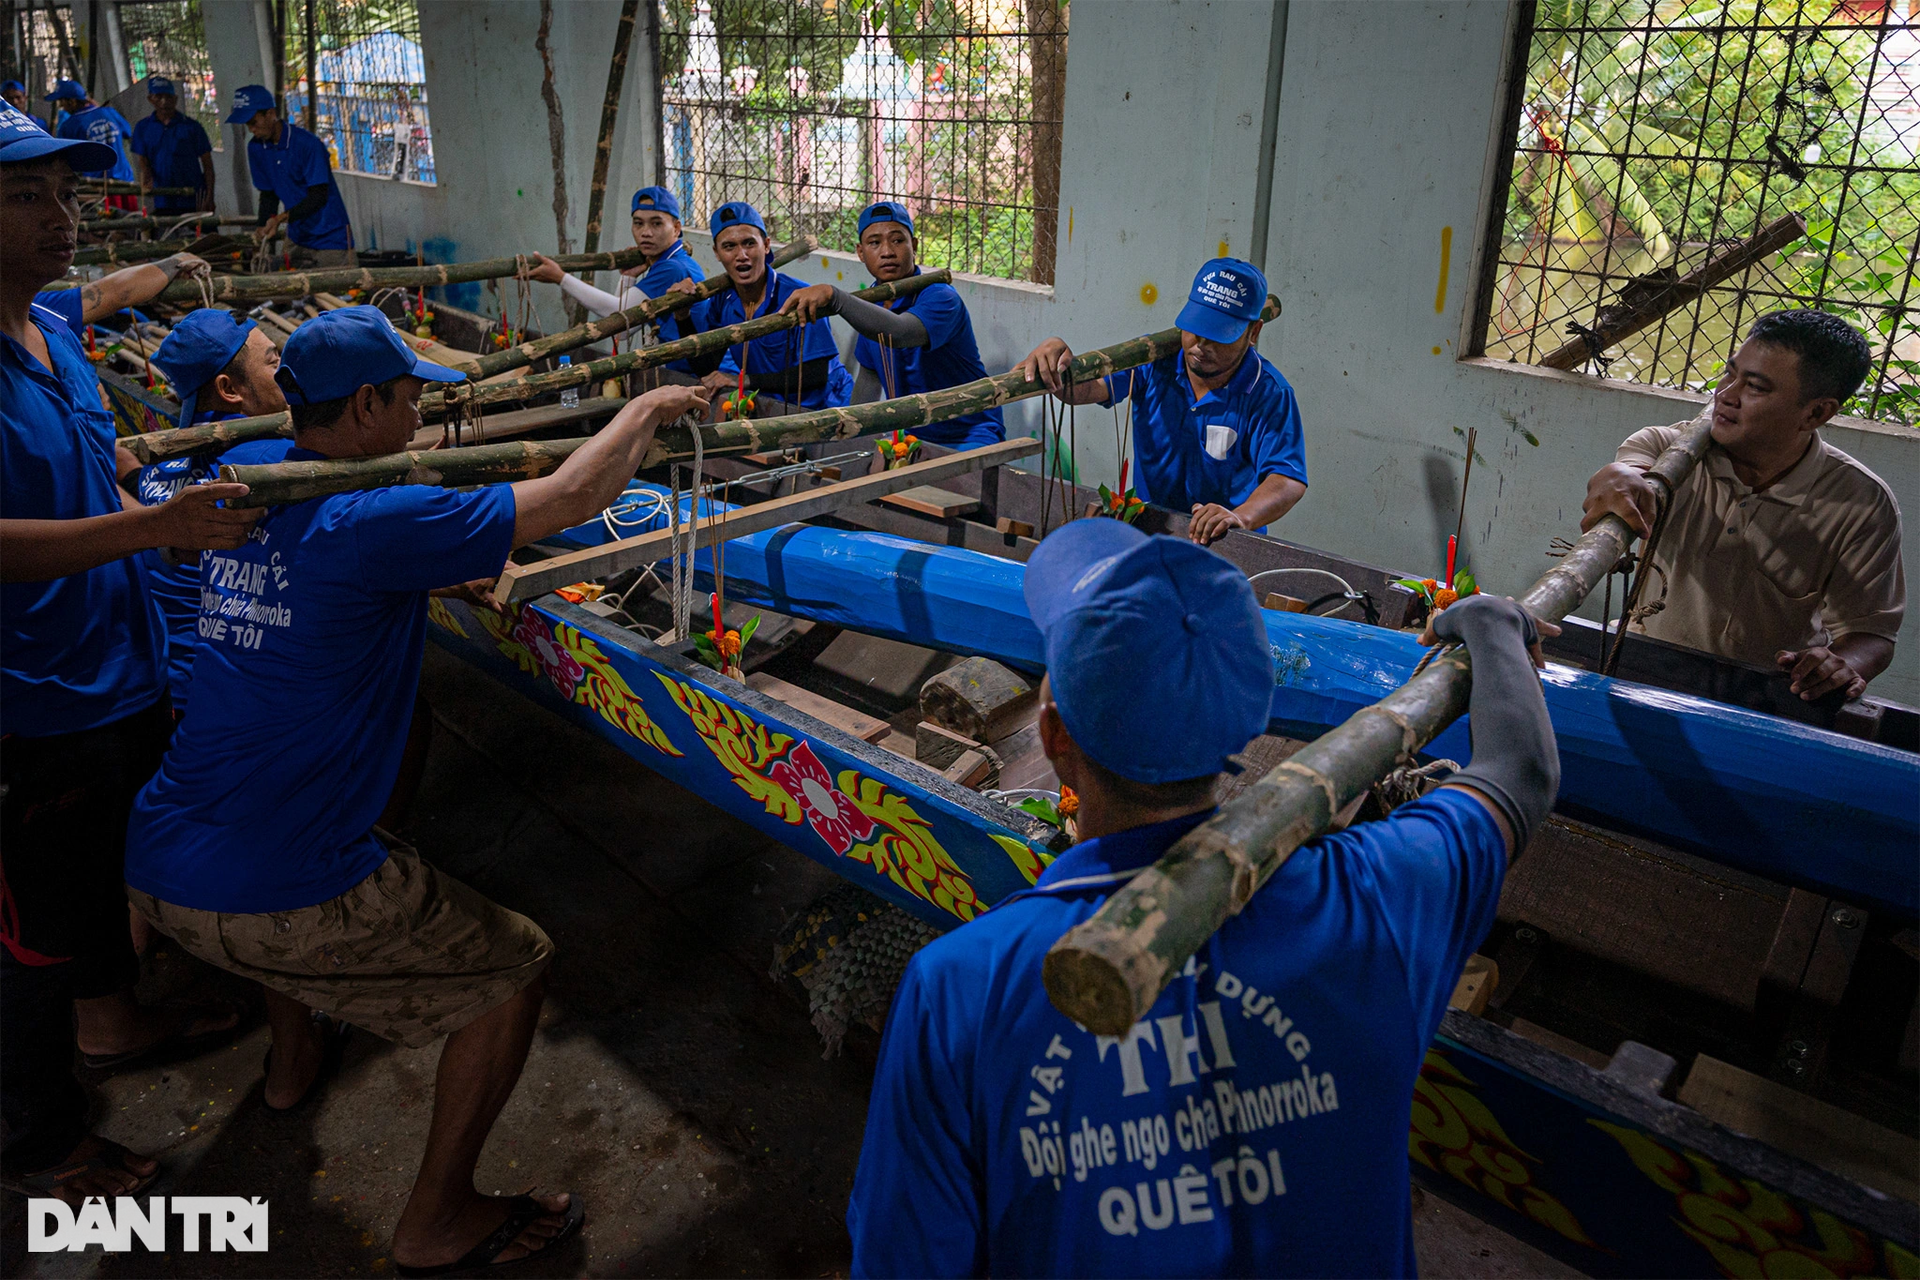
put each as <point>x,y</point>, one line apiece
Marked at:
<point>524,1211</point>
<point>109,1159</point>
<point>172,1044</point>
<point>333,1035</point>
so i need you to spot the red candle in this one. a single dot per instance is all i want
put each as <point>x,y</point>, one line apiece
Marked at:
<point>1452,542</point>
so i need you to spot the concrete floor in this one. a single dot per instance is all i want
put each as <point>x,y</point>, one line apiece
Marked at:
<point>671,1084</point>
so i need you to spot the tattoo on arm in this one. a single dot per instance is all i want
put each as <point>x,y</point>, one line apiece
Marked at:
<point>89,299</point>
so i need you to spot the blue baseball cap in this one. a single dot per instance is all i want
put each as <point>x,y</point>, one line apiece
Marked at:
<point>12,86</point>
<point>1157,657</point>
<point>202,344</point>
<point>24,138</point>
<point>885,211</point>
<point>336,353</point>
<point>157,85</point>
<point>656,198</point>
<point>735,213</point>
<point>249,100</point>
<point>67,89</point>
<point>1227,295</point>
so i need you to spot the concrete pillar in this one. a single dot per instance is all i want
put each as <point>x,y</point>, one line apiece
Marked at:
<point>240,50</point>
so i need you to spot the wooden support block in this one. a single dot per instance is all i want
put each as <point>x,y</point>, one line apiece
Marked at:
<point>978,699</point>
<point>1476,984</point>
<point>1558,1043</point>
<point>972,769</point>
<point>1013,528</point>
<point>1283,604</point>
<point>942,504</point>
<point>1641,1068</point>
<point>937,748</point>
<point>1801,1126</point>
<point>860,725</point>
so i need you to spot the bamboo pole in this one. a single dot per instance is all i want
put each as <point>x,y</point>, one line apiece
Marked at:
<point>1611,330</point>
<point>609,111</point>
<point>698,344</point>
<point>298,284</point>
<point>148,222</point>
<point>481,464</point>
<point>1107,972</point>
<point>150,250</point>
<point>526,353</point>
<point>122,187</point>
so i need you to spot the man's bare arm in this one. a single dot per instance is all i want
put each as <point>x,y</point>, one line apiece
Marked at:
<point>595,473</point>
<point>42,550</point>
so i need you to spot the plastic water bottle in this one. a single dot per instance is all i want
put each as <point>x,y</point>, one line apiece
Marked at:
<point>570,398</point>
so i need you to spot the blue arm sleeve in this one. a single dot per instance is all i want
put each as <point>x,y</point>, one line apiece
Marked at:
<point>916,1204</point>
<point>140,144</point>
<point>662,277</point>
<point>311,168</point>
<point>1127,384</point>
<point>1436,867</point>
<point>416,538</point>
<point>1279,447</point>
<point>200,144</point>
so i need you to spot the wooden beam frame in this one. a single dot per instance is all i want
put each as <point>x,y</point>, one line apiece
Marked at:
<point>523,582</point>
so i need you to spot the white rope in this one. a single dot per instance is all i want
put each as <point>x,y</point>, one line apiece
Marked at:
<point>682,555</point>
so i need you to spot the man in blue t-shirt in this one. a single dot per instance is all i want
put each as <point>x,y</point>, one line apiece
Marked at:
<point>793,367</point>
<point>174,152</point>
<point>83,708</point>
<point>254,846</point>
<point>14,94</point>
<point>294,175</point>
<point>656,233</point>
<point>90,122</point>
<point>221,366</point>
<point>1216,429</point>
<point>1255,1121</point>
<point>913,345</point>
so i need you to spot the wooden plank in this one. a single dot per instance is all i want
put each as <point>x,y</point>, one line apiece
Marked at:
<point>937,747</point>
<point>1477,981</point>
<point>1802,1126</point>
<point>938,503</point>
<point>1283,604</point>
<point>860,725</point>
<point>522,582</point>
<point>972,769</point>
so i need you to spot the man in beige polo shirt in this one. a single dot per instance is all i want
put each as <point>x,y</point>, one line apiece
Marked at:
<point>1780,549</point>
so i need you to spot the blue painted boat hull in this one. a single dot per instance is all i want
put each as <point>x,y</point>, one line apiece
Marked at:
<point>1773,797</point>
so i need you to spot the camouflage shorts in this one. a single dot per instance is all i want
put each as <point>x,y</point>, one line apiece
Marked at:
<point>408,953</point>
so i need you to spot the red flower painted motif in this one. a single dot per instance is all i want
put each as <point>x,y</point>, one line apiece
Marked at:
<point>832,815</point>
<point>561,667</point>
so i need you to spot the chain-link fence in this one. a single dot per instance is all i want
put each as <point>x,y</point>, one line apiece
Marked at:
<point>370,107</point>
<point>169,38</point>
<point>1654,136</point>
<point>811,109</point>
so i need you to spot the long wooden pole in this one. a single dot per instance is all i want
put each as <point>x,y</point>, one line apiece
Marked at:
<point>606,326</point>
<point>299,284</point>
<point>521,460</point>
<point>122,187</point>
<point>146,251</point>
<point>1778,234</point>
<point>609,112</point>
<point>698,344</point>
<point>524,582</point>
<point>1107,973</point>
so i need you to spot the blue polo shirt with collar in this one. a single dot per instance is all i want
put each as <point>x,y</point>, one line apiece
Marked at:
<point>176,586</point>
<point>780,352</point>
<point>1253,1123</point>
<point>310,640</point>
<point>671,267</point>
<point>287,168</point>
<point>69,305</point>
<point>173,152</point>
<point>950,358</point>
<point>85,650</point>
<point>1217,448</point>
<point>107,126</point>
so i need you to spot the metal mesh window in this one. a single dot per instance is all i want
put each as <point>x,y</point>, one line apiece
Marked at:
<point>370,107</point>
<point>169,38</point>
<point>1653,138</point>
<point>811,109</point>
<point>38,48</point>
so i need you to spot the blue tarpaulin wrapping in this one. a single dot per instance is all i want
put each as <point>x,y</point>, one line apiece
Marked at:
<point>1774,797</point>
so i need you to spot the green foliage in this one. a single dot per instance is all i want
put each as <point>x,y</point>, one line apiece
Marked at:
<point>1685,123</point>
